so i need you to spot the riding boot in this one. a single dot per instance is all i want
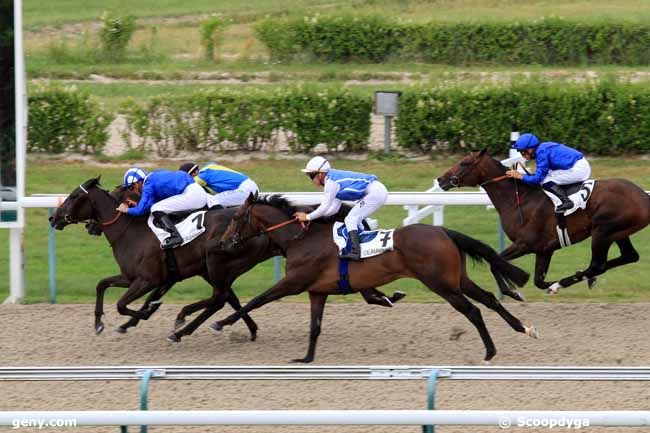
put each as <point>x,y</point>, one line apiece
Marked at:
<point>355,247</point>
<point>166,223</point>
<point>561,194</point>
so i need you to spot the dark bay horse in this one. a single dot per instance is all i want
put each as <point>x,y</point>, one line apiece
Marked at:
<point>617,209</point>
<point>143,264</point>
<point>433,255</point>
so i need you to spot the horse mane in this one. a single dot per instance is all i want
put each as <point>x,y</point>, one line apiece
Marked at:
<point>281,202</point>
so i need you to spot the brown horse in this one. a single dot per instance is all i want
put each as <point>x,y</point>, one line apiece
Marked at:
<point>529,219</point>
<point>433,255</point>
<point>144,267</point>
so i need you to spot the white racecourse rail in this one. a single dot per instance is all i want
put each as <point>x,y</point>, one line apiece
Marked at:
<point>501,418</point>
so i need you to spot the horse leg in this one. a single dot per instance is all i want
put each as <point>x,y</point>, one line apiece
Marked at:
<point>469,310</point>
<point>514,251</point>
<point>542,262</point>
<point>474,291</point>
<point>137,289</point>
<point>317,301</point>
<point>150,306</point>
<point>102,285</point>
<point>214,304</point>
<point>598,265</point>
<point>285,287</point>
<point>628,254</point>
<point>377,297</point>
<point>188,310</point>
<point>233,301</point>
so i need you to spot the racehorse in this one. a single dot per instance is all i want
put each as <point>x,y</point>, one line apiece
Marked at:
<point>433,255</point>
<point>617,209</point>
<point>144,267</point>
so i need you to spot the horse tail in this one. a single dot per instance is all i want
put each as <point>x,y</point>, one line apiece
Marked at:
<point>506,274</point>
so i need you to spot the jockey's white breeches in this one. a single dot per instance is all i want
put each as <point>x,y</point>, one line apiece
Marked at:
<point>192,197</point>
<point>376,195</point>
<point>235,197</point>
<point>580,172</point>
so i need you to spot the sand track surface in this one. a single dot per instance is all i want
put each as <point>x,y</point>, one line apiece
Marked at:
<point>353,334</point>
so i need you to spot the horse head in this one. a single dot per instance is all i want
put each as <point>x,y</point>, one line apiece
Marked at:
<point>121,195</point>
<point>241,226</point>
<point>472,170</point>
<point>77,206</point>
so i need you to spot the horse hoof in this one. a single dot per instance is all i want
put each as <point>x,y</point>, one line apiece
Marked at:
<point>179,324</point>
<point>173,338</point>
<point>518,296</point>
<point>216,328</point>
<point>99,329</point>
<point>487,362</point>
<point>304,360</point>
<point>398,296</point>
<point>120,330</point>
<point>553,289</point>
<point>591,282</point>
<point>532,332</point>
<point>387,302</point>
<point>254,336</point>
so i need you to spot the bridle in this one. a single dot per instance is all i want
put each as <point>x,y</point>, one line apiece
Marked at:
<point>237,238</point>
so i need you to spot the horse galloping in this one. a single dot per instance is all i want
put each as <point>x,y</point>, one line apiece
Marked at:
<point>529,219</point>
<point>433,255</point>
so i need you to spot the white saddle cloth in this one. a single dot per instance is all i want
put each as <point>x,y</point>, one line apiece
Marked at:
<point>373,242</point>
<point>579,198</point>
<point>190,228</point>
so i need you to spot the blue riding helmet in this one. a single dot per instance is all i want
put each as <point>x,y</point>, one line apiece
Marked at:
<point>526,141</point>
<point>134,175</point>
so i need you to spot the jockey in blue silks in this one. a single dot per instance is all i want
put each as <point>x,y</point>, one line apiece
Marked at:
<point>340,185</point>
<point>226,187</point>
<point>163,192</point>
<point>556,165</point>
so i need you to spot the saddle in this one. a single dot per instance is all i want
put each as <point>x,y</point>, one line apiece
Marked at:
<point>373,242</point>
<point>579,193</point>
<point>190,225</point>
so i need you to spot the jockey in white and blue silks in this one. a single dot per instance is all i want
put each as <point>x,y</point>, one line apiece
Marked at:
<point>556,165</point>
<point>163,192</point>
<point>226,187</point>
<point>340,185</point>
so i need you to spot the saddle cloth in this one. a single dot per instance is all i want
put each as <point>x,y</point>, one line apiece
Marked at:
<point>189,228</point>
<point>373,242</point>
<point>579,194</point>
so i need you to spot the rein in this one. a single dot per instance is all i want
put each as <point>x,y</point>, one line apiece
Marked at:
<point>517,199</point>
<point>285,223</point>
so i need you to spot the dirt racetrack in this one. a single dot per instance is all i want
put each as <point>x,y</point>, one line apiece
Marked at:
<point>353,334</point>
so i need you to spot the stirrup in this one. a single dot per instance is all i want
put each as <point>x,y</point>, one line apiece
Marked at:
<point>564,206</point>
<point>351,255</point>
<point>172,242</point>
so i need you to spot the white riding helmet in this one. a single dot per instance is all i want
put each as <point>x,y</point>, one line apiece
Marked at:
<point>317,163</point>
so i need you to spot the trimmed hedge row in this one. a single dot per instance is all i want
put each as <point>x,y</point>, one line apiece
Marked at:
<point>377,39</point>
<point>607,119</point>
<point>246,120</point>
<point>64,119</point>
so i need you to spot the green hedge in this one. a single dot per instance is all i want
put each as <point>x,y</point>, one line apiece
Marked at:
<point>64,119</point>
<point>247,119</point>
<point>376,39</point>
<point>607,119</point>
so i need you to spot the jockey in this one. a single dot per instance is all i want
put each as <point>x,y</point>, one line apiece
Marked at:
<point>340,185</point>
<point>163,192</point>
<point>226,187</point>
<point>556,165</point>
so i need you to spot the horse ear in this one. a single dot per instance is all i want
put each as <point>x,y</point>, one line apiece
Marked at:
<point>256,196</point>
<point>251,198</point>
<point>482,152</point>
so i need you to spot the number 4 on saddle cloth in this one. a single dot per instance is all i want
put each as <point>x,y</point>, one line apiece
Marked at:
<point>189,226</point>
<point>373,242</point>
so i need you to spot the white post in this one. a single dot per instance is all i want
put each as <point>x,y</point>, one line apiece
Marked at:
<point>16,268</point>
